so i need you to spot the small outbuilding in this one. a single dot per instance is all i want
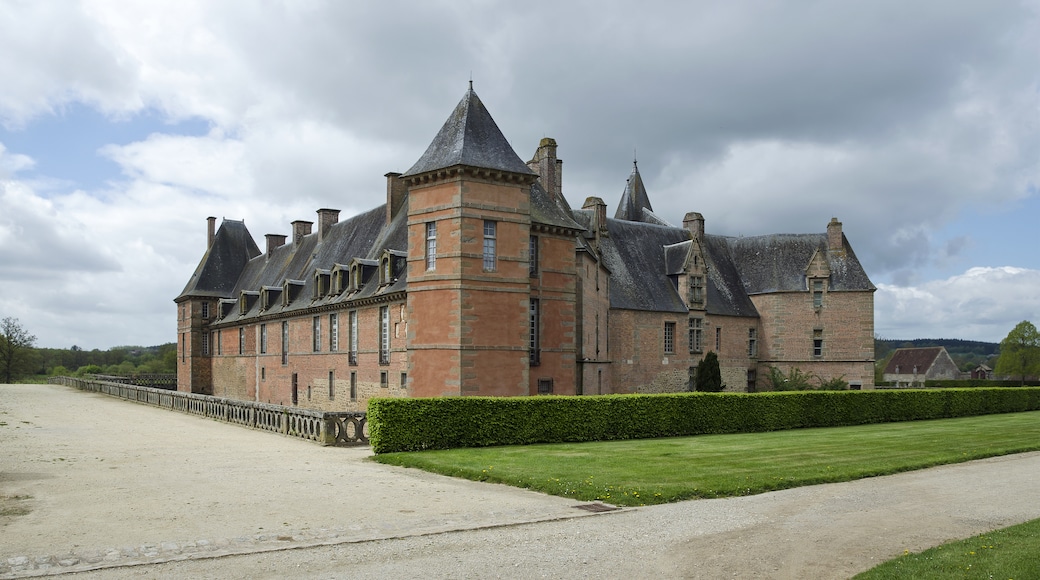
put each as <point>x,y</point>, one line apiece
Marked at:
<point>911,367</point>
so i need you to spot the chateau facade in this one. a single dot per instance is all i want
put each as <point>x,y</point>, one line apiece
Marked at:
<point>476,277</point>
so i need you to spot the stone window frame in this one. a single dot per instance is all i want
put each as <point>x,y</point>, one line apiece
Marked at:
<point>817,351</point>
<point>534,338</point>
<point>696,335</point>
<point>263,339</point>
<point>545,386</point>
<point>316,333</point>
<point>285,343</point>
<point>333,332</point>
<point>532,251</point>
<point>752,342</point>
<point>384,335</point>
<point>431,246</point>
<point>332,385</point>
<point>490,247</point>
<point>669,337</point>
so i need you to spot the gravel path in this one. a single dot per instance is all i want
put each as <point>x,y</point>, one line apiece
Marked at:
<point>89,482</point>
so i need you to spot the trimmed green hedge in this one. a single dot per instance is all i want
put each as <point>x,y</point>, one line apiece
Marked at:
<point>404,424</point>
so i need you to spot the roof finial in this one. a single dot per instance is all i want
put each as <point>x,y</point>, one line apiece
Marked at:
<point>470,80</point>
<point>635,159</point>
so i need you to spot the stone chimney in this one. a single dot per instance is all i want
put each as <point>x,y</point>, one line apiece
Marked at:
<point>834,237</point>
<point>599,215</point>
<point>396,193</point>
<point>211,231</point>
<point>274,241</point>
<point>548,168</point>
<point>326,218</point>
<point>300,228</point>
<point>694,223</point>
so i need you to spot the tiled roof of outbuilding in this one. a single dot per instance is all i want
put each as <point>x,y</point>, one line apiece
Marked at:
<point>469,137</point>
<point>905,359</point>
<point>232,248</point>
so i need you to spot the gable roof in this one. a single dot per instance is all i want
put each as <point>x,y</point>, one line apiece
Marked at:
<point>777,262</point>
<point>469,137</point>
<point>222,264</point>
<point>634,199</point>
<point>905,359</point>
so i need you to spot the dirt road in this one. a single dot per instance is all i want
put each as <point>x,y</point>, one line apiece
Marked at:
<point>88,481</point>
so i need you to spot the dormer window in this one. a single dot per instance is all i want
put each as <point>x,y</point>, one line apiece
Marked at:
<point>696,289</point>
<point>385,271</point>
<point>290,290</point>
<point>269,296</point>
<point>340,278</point>
<point>355,277</point>
<point>322,283</point>
<point>247,300</point>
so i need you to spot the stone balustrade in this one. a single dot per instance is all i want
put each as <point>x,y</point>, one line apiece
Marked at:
<point>323,427</point>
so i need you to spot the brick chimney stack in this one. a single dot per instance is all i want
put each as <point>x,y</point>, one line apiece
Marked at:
<point>274,241</point>
<point>326,219</point>
<point>300,228</point>
<point>834,237</point>
<point>211,231</point>
<point>396,193</point>
<point>694,223</point>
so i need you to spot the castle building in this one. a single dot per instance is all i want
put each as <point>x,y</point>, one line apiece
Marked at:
<point>476,277</point>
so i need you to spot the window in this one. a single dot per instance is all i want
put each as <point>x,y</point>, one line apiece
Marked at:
<point>696,289</point>
<point>352,356</point>
<point>718,338</point>
<point>316,334</point>
<point>285,343</point>
<point>205,344</point>
<point>545,386</point>
<point>386,277</point>
<point>490,259</point>
<point>669,338</point>
<point>404,380</point>
<point>817,343</point>
<point>263,373</point>
<point>241,341</point>
<point>817,294</point>
<point>533,252</point>
<point>220,342</point>
<point>384,335</point>
<point>263,339</point>
<point>431,245</point>
<point>295,390</point>
<point>333,333</point>
<point>332,385</point>
<point>384,379</point>
<point>205,310</point>
<point>353,385</point>
<point>534,342</point>
<point>184,345</point>
<point>696,335</point>
<point>752,342</point>
<point>308,392</point>
<point>752,379</point>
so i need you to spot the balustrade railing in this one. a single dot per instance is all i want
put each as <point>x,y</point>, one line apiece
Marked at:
<point>323,427</point>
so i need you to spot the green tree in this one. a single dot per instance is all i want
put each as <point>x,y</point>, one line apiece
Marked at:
<point>1020,352</point>
<point>16,350</point>
<point>709,375</point>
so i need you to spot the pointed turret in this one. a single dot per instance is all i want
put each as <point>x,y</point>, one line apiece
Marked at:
<point>469,137</point>
<point>634,200</point>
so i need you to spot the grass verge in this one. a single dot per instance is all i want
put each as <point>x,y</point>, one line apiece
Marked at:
<point>1006,553</point>
<point>652,471</point>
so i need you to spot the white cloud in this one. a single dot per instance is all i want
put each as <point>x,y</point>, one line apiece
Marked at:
<point>984,303</point>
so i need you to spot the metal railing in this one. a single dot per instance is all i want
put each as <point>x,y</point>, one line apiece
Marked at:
<point>323,427</point>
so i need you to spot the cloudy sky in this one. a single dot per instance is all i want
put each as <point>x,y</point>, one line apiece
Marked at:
<point>123,125</point>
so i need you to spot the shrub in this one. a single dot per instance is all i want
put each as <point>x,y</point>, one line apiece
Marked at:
<point>709,375</point>
<point>794,380</point>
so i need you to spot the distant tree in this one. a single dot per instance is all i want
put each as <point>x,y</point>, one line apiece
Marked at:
<point>709,375</point>
<point>16,350</point>
<point>1020,352</point>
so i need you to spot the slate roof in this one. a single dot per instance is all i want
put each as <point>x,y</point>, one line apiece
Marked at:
<point>907,358</point>
<point>635,255</point>
<point>634,200</point>
<point>777,263</point>
<point>223,262</point>
<point>469,137</point>
<point>545,210</point>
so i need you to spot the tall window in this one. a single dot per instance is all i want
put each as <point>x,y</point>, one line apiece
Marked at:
<point>490,257</point>
<point>353,385</point>
<point>263,339</point>
<point>384,335</point>
<point>316,322</point>
<point>669,338</point>
<point>817,294</point>
<point>205,310</point>
<point>533,253</point>
<point>285,343</point>
<point>352,356</point>
<point>241,341</point>
<point>696,335</point>
<point>534,342</point>
<point>220,342</point>
<point>752,342</point>
<point>718,338</point>
<point>333,333</point>
<point>696,289</point>
<point>384,380</point>
<point>431,245</point>
<point>205,344</point>
<point>817,343</point>
<point>332,385</point>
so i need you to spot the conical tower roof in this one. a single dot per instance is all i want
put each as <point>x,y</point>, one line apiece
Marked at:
<point>469,137</point>
<point>634,200</point>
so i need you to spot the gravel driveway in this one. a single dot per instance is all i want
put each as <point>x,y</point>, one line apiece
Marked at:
<point>89,482</point>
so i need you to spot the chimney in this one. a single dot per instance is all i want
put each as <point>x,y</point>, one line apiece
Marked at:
<point>326,218</point>
<point>599,215</point>
<point>300,228</point>
<point>274,241</point>
<point>834,237</point>
<point>548,168</point>
<point>211,231</point>
<point>694,223</point>
<point>396,193</point>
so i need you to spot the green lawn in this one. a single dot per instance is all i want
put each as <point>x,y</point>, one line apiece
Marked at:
<point>649,471</point>
<point>1007,553</point>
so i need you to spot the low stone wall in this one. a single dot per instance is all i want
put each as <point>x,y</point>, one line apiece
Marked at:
<point>325,428</point>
